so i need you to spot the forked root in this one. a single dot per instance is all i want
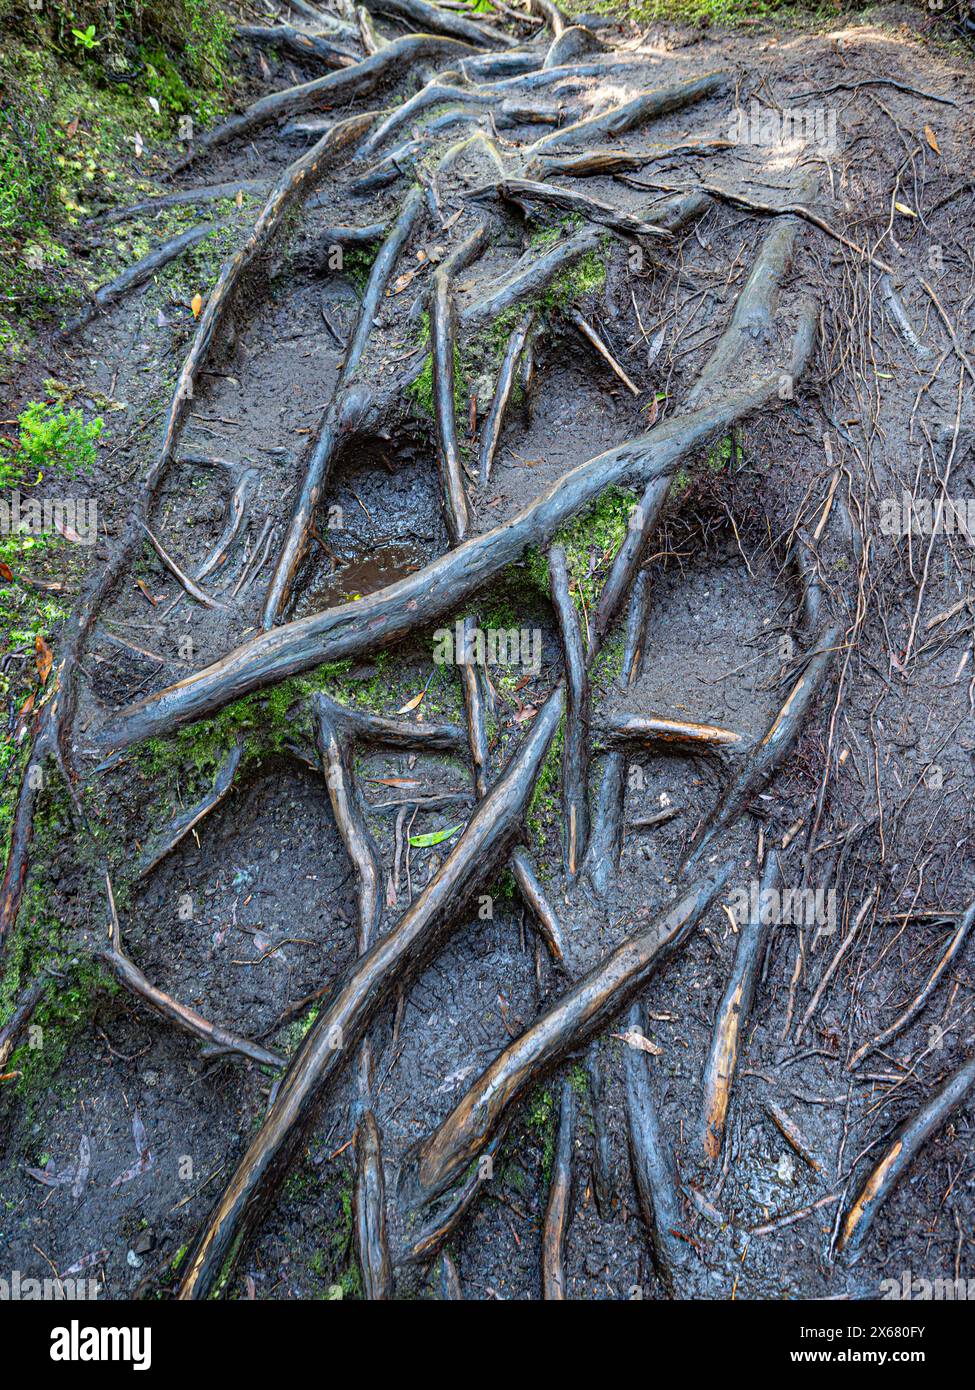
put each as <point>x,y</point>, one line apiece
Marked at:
<point>440,1177</point>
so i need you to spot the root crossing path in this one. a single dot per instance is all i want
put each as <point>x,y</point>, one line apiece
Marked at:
<point>495,745</point>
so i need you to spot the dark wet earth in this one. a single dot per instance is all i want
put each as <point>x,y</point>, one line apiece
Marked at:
<point>254,911</point>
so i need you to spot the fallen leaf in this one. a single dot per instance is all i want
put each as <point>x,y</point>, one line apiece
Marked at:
<point>904,210</point>
<point>196,304</point>
<point>153,102</point>
<point>71,129</point>
<point>139,147</point>
<point>6,572</point>
<point>412,704</point>
<point>239,198</point>
<point>526,712</point>
<point>44,657</point>
<point>634,1038</point>
<point>141,584</point>
<point>931,138</point>
<point>435,837</point>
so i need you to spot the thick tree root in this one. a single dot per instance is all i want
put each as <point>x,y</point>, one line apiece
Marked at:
<point>450,1287</point>
<point>433,20</point>
<point>662,732</point>
<point>21,1015</point>
<point>606,839</point>
<point>652,1163</point>
<point>733,1013</point>
<point>602,1165</point>
<point>474,1129</point>
<point>181,825</point>
<point>917,1004</point>
<point>443,342</point>
<point>332,90</point>
<point>524,193</point>
<point>299,42</point>
<point>205,193</point>
<point>646,106</point>
<point>438,588</point>
<point>575,745</point>
<point>899,1154</point>
<point>138,274</point>
<point>558,1209</point>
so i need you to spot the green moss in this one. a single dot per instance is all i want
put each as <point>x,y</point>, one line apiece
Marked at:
<point>590,541</point>
<point>543,1122</point>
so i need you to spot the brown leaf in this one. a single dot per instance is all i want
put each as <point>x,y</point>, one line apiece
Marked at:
<point>931,138</point>
<point>6,572</point>
<point>634,1038</point>
<point>71,129</point>
<point>145,589</point>
<point>44,657</point>
<point>412,704</point>
<point>196,304</point>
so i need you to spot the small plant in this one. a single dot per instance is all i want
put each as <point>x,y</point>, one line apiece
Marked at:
<point>85,38</point>
<point>51,437</point>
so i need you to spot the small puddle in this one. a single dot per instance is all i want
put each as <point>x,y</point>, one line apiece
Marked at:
<point>363,574</point>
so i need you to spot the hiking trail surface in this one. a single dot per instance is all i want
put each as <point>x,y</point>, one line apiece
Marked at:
<point>502,798</point>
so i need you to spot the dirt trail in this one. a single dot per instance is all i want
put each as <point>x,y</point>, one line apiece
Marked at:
<point>761,392</point>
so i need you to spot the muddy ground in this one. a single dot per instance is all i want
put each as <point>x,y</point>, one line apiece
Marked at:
<point>254,910</point>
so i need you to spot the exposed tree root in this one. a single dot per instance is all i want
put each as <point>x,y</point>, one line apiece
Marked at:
<point>128,974</point>
<point>647,106</point>
<point>606,839</point>
<point>299,42</point>
<point>475,1126</point>
<point>182,824</point>
<point>433,20</point>
<point>660,731</point>
<point>771,750</point>
<point>602,1166</point>
<point>575,746</point>
<point>899,1154</point>
<point>917,1004</point>
<point>331,90</point>
<point>524,193</point>
<point>491,434</point>
<point>733,1013</point>
<point>443,345</point>
<point>205,193</point>
<point>558,1209</point>
<point>653,1165</point>
<point>138,274</point>
<point>21,1015</point>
